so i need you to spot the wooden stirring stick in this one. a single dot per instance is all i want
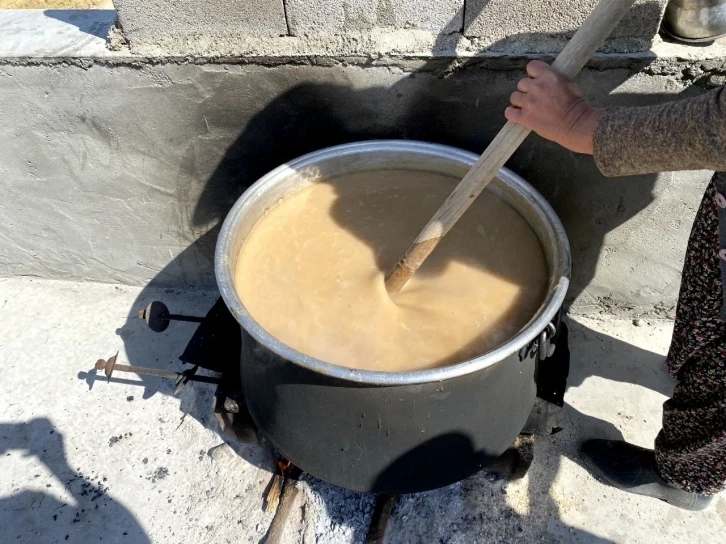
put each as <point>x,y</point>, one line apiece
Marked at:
<point>591,35</point>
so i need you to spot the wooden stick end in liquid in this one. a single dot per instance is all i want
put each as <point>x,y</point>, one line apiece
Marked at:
<point>398,276</point>
<point>407,266</point>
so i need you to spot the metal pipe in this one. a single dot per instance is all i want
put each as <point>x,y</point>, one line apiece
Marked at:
<point>110,366</point>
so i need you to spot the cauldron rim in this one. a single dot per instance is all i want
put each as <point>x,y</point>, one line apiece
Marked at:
<point>559,276</point>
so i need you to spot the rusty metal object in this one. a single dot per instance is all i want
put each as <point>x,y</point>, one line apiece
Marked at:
<point>182,378</point>
<point>107,366</point>
<point>157,316</point>
<point>233,417</point>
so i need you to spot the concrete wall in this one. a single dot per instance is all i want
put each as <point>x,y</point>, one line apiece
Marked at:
<point>123,173</point>
<point>226,27</point>
<point>119,168</point>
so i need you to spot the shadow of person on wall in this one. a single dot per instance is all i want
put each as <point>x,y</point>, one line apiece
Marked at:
<point>443,100</point>
<point>29,515</point>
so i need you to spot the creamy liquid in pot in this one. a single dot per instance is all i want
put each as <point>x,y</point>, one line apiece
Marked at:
<point>311,273</point>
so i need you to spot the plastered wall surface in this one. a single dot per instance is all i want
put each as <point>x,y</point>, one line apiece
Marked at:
<point>121,173</point>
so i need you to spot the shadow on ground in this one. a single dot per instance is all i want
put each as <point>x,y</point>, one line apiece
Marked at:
<point>95,22</point>
<point>68,505</point>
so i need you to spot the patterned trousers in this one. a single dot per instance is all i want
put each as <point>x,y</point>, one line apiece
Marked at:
<point>691,448</point>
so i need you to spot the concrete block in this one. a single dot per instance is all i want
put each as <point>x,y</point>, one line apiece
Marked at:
<point>336,17</point>
<point>545,26</point>
<point>150,22</point>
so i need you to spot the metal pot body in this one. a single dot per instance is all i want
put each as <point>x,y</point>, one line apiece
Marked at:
<point>381,431</point>
<point>388,439</point>
<point>695,20</point>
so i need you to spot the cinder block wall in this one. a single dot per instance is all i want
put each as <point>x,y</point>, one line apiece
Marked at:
<point>514,26</point>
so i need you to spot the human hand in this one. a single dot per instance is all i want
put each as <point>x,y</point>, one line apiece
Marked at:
<point>552,106</point>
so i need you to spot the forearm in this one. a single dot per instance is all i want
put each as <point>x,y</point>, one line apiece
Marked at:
<point>687,134</point>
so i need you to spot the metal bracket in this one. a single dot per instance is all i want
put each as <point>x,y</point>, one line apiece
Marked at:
<point>157,316</point>
<point>528,351</point>
<point>547,348</point>
<point>181,378</point>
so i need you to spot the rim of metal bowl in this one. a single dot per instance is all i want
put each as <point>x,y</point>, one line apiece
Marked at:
<point>224,272</point>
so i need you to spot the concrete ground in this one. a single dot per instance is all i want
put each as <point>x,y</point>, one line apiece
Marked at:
<point>82,460</point>
<point>56,4</point>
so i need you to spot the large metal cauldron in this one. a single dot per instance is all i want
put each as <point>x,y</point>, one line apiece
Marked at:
<point>378,431</point>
